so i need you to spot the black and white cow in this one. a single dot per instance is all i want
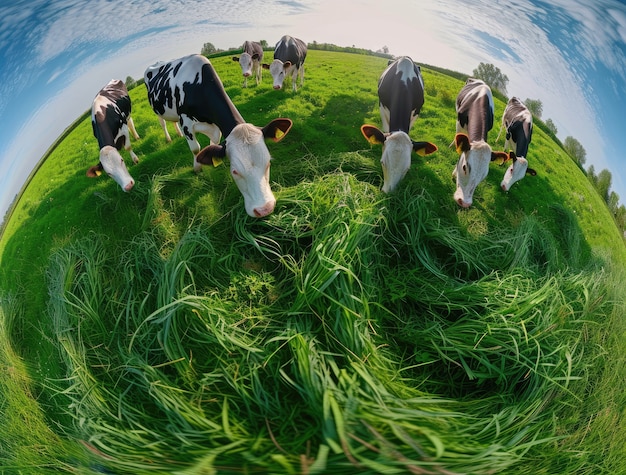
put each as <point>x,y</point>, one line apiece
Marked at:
<point>474,109</point>
<point>517,120</point>
<point>250,61</point>
<point>188,90</point>
<point>401,97</point>
<point>111,121</point>
<point>289,56</point>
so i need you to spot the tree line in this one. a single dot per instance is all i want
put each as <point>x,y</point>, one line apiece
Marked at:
<point>601,181</point>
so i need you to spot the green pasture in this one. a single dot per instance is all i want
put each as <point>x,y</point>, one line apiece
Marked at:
<point>165,331</point>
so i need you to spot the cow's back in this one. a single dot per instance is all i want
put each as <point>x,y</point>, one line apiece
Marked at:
<point>290,49</point>
<point>190,86</point>
<point>401,91</point>
<point>110,110</point>
<point>518,122</point>
<point>475,109</point>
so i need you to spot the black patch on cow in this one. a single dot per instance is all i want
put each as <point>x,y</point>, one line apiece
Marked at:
<point>291,49</point>
<point>474,110</point>
<point>400,94</point>
<point>107,121</point>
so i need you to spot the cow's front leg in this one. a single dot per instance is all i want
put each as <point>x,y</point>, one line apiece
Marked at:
<point>131,127</point>
<point>187,127</point>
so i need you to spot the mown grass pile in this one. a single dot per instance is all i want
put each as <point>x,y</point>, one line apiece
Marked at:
<point>346,331</point>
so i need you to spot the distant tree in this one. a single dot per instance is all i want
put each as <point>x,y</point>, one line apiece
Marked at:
<point>492,76</point>
<point>603,184</point>
<point>264,44</point>
<point>551,126</point>
<point>575,150</point>
<point>208,49</point>
<point>535,107</point>
<point>613,203</point>
<point>130,82</point>
<point>620,219</point>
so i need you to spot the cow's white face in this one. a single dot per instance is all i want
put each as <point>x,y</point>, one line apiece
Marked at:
<point>471,169</point>
<point>279,70</point>
<point>245,61</point>
<point>514,173</point>
<point>396,159</point>
<point>113,164</point>
<point>250,168</point>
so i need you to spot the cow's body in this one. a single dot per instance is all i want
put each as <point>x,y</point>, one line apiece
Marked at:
<point>401,97</point>
<point>111,122</point>
<point>188,90</point>
<point>474,108</point>
<point>289,56</point>
<point>250,61</point>
<point>517,121</point>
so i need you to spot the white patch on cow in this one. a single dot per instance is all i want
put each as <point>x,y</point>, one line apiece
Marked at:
<point>396,159</point>
<point>471,169</point>
<point>514,173</point>
<point>114,166</point>
<point>250,168</point>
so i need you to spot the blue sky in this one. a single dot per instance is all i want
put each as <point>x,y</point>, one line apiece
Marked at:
<point>55,56</point>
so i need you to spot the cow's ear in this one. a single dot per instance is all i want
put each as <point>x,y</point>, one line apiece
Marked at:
<point>373,134</point>
<point>256,56</point>
<point>211,155</point>
<point>499,156</point>
<point>236,58</point>
<point>531,171</point>
<point>277,129</point>
<point>286,64</point>
<point>95,171</point>
<point>462,143</point>
<point>424,148</point>
<point>265,66</point>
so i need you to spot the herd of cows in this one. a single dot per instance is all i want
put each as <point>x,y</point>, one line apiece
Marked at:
<point>188,92</point>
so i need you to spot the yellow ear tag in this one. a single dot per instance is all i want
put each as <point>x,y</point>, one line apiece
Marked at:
<point>459,150</point>
<point>279,134</point>
<point>216,161</point>
<point>98,172</point>
<point>372,139</point>
<point>421,152</point>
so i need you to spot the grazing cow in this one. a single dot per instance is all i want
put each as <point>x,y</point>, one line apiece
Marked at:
<point>401,96</point>
<point>111,121</point>
<point>518,122</point>
<point>474,108</point>
<point>250,61</point>
<point>289,56</point>
<point>188,90</point>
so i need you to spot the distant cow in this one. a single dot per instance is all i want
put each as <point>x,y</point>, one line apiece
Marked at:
<point>518,123</point>
<point>401,96</point>
<point>189,91</point>
<point>250,61</point>
<point>111,121</point>
<point>474,108</point>
<point>289,56</point>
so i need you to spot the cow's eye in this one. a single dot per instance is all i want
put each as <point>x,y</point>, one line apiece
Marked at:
<point>235,172</point>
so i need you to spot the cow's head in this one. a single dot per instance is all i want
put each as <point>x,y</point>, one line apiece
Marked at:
<point>249,162</point>
<point>472,167</point>
<point>245,61</point>
<point>396,158</point>
<point>278,70</point>
<point>113,165</point>
<point>518,170</point>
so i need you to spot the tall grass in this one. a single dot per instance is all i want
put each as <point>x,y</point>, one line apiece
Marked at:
<point>349,331</point>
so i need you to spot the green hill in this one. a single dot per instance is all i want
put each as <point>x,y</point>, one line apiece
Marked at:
<point>164,330</point>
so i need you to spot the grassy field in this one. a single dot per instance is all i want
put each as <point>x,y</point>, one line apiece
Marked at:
<point>165,331</point>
